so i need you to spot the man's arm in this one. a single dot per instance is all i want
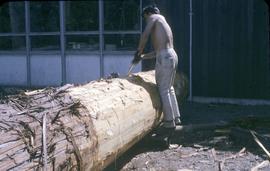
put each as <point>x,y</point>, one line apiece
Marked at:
<point>145,34</point>
<point>149,55</point>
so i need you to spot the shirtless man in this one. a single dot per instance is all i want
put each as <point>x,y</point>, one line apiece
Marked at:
<point>166,63</point>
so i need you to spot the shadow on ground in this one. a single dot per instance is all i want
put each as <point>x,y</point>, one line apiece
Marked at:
<point>224,128</point>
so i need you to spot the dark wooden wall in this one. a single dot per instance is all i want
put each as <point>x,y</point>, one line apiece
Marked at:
<point>230,45</point>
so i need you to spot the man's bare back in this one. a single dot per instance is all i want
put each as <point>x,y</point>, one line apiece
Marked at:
<point>161,35</point>
<point>160,32</point>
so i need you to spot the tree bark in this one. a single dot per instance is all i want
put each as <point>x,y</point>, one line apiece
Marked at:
<point>87,126</point>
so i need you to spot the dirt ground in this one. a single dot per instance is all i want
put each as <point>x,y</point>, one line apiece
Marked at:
<point>222,142</point>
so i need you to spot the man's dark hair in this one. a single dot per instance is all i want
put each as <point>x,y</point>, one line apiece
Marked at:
<point>151,9</point>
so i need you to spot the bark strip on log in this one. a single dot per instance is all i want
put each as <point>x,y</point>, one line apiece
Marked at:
<point>88,126</point>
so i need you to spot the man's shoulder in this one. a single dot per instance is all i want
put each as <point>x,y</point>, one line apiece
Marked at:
<point>157,17</point>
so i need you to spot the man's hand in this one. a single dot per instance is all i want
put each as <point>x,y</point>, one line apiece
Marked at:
<point>137,58</point>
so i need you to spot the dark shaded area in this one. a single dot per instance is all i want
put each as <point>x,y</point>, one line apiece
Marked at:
<point>268,4</point>
<point>230,50</point>
<point>8,91</point>
<point>3,2</point>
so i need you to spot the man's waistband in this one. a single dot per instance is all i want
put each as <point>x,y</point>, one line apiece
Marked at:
<point>164,51</point>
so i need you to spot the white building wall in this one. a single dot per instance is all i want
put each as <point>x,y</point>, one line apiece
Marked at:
<point>45,70</point>
<point>119,64</point>
<point>82,68</point>
<point>13,70</point>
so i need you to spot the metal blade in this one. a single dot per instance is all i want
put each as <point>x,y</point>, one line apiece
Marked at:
<point>130,69</point>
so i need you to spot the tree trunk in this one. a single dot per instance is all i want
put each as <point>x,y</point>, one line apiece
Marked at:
<point>87,126</point>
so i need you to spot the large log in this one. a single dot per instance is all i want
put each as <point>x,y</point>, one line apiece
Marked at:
<point>82,127</point>
<point>87,126</point>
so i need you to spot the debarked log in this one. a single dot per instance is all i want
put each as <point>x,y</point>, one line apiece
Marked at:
<point>77,127</point>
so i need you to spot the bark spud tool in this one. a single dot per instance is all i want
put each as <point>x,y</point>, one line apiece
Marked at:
<point>130,68</point>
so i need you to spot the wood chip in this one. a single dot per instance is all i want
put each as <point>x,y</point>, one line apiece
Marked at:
<point>261,165</point>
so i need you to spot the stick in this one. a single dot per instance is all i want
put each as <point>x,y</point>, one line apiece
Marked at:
<point>259,143</point>
<point>44,143</point>
<point>261,165</point>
